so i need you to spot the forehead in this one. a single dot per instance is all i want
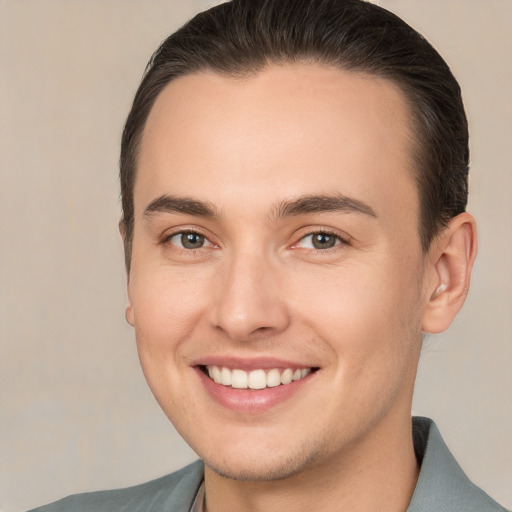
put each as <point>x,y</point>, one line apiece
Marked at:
<point>299,128</point>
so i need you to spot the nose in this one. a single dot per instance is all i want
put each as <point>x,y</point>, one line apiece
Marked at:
<point>249,301</point>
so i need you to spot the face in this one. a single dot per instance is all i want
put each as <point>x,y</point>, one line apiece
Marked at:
<point>277,277</point>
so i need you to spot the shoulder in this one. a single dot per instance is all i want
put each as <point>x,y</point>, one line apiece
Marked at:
<point>174,492</point>
<point>442,485</point>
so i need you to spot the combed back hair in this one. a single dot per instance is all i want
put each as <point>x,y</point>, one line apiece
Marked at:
<point>242,37</point>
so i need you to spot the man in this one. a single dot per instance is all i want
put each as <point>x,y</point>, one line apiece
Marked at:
<point>294,183</point>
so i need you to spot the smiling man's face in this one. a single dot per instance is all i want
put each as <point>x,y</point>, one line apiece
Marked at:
<point>276,247</point>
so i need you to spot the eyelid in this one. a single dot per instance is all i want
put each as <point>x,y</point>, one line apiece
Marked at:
<point>170,234</point>
<point>342,239</point>
<point>181,233</point>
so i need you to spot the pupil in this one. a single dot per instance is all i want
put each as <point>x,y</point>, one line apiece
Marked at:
<point>192,240</point>
<point>323,241</point>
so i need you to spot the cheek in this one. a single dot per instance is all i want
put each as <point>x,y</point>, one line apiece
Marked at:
<point>166,310</point>
<point>167,306</point>
<point>366,314</point>
<point>370,325</point>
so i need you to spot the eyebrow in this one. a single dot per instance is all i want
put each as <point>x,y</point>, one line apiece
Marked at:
<point>322,203</point>
<point>301,206</point>
<point>182,205</point>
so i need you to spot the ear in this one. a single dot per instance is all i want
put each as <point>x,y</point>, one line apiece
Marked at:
<point>129,315</point>
<point>450,260</point>
<point>122,229</point>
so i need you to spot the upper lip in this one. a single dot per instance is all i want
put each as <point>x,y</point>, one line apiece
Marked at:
<point>248,364</point>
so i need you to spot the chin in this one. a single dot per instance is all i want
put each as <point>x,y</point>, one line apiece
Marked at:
<point>243,472</point>
<point>261,467</point>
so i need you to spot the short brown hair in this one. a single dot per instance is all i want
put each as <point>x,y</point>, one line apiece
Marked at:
<point>241,37</point>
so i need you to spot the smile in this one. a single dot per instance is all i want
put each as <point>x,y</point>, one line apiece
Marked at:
<point>255,379</point>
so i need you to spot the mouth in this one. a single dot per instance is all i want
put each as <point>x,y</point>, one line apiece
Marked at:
<point>257,379</point>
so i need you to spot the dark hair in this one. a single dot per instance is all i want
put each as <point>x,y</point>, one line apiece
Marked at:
<point>241,37</point>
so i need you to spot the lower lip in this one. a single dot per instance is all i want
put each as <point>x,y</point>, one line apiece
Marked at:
<point>248,400</point>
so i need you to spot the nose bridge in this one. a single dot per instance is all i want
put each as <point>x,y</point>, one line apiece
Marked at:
<point>249,299</point>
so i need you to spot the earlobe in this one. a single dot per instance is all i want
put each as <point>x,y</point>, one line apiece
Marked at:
<point>128,314</point>
<point>122,229</point>
<point>130,318</point>
<point>451,261</point>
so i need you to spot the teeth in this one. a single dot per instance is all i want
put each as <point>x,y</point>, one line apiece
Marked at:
<point>216,375</point>
<point>273,378</point>
<point>304,372</point>
<point>239,379</point>
<point>256,379</point>
<point>225,377</point>
<point>287,376</point>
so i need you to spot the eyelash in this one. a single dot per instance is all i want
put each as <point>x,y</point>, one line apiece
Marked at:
<point>339,241</point>
<point>167,240</point>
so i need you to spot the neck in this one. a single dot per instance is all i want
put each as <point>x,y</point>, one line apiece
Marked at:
<point>376,473</point>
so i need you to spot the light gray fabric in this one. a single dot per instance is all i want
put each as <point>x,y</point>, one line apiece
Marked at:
<point>171,493</point>
<point>442,486</point>
<point>198,505</point>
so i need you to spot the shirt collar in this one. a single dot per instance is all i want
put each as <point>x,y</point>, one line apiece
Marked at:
<point>441,486</point>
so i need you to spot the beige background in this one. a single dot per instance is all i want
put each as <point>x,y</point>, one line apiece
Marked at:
<point>75,411</point>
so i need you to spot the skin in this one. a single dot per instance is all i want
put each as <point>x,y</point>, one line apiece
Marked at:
<point>258,288</point>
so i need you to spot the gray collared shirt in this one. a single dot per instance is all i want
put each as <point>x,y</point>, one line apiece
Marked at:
<point>442,486</point>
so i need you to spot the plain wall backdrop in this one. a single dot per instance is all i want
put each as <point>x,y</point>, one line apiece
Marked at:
<point>76,413</point>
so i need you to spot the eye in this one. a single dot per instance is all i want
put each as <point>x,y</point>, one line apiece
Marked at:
<point>189,240</point>
<point>319,240</point>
